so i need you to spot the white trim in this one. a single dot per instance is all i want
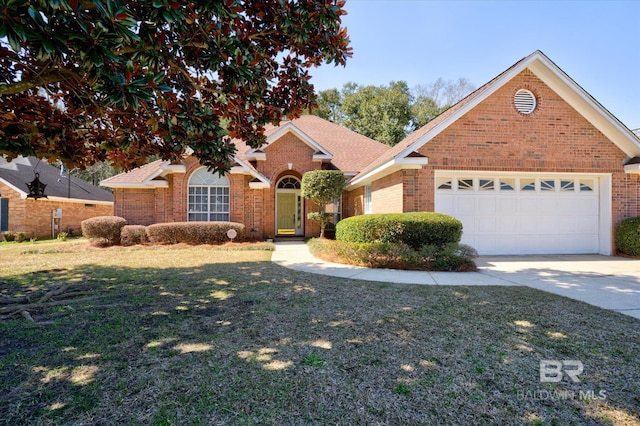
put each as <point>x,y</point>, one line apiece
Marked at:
<point>23,194</point>
<point>603,181</point>
<point>321,157</point>
<point>78,201</point>
<point>391,166</point>
<point>245,169</point>
<point>297,231</point>
<point>632,169</point>
<point>367,199</point>
<point>291,128</point>
<point>208,186</point>
<point>141,185</point>
<point>173,168</point>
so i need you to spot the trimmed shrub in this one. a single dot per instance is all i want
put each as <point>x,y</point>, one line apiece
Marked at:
<point>194,232</point>
<point>413,229</point>
<point>627,236</point>
<point>451,257</point>
<point>9,236</point>
<point>103,228</point>
<point>133,234</point>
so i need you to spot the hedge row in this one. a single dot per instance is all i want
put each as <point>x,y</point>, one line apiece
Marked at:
<point>451,257</point>
<point>114,230</point>
<point>413,229</point>
<point>194,232</point>
<point>627,236</point>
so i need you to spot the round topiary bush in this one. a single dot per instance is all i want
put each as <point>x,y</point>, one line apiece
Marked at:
<point>414,229</point>
<point>627,236</point>
<point>103,228</point>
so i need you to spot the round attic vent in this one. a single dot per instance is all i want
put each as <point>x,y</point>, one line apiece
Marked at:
<point>525,101</point>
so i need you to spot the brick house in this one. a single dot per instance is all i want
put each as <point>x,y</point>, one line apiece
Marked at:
<point>530,163</point>
<point>262,190</point>
<point>69,200</point>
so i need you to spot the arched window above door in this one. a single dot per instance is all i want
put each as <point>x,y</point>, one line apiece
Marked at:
<point>289,182</point>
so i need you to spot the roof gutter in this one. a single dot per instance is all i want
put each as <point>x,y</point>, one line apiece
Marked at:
<point>406,163</point>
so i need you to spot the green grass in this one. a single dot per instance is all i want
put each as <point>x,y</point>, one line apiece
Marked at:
<point>205,335</point>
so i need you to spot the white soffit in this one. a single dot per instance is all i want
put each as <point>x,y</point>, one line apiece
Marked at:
<point>319,152</point>
<point>392,166</point>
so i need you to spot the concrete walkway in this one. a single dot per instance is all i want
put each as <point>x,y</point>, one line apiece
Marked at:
<point>605,281</point>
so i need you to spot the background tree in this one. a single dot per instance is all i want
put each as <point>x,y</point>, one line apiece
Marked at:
<point>379,112</point>
<point>322,187</point>
<point>388,113</point>
<point>330,106</point>
<point>93,80</point>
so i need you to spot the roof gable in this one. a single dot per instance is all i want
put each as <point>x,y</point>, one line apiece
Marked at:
<point>551,75</point>
<point>277,133</point>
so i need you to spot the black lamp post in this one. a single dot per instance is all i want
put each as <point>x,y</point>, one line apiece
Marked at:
<point>36,188</point>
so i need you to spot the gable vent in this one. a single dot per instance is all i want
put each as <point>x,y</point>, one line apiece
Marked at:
<point>525,101</point>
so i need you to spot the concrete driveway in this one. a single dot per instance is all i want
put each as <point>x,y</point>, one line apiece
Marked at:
<point>605,281</point>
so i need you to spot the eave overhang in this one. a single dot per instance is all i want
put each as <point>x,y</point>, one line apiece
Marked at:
<point>392,166</point>
<point>320,154</point>
<point>632,166</point>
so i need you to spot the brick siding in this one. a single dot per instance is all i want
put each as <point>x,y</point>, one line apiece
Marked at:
<point>255,208</point>
<point>34,216</point>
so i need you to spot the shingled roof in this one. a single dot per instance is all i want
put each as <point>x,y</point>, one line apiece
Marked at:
<point>21,170</point>
<point>347,150</point>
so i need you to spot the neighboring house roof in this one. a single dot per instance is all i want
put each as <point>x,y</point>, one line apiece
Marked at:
<point>544,69</point>
<point>22,170</point>
<point>345,149</point>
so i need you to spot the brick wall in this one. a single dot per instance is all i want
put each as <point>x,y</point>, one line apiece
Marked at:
<point>253,207</point>
<point>386,194</point>
<point>34,216</point>
<point>137,206</point>
<point>554,138</point>
<point>354,202</point>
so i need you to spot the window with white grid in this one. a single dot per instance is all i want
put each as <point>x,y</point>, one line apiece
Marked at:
<point>208,197</point>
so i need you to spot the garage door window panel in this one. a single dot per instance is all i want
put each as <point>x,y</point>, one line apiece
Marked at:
<point>465,184</point>
<point>548,185</point>
<point>567,185</point>
<point>586,185</point>
<point>444,184</point>
<point>486,185</point>
<point>507,184</point>
<point>527,184</point>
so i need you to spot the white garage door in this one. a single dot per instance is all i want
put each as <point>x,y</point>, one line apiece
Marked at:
<point>523,215</point>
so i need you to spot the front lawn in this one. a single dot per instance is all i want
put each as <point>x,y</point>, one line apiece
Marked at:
<point>197,335</point>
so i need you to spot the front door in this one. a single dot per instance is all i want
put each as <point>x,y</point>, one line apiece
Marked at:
<point>289,213</point>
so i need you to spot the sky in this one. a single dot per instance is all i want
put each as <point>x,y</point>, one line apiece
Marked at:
<point>597,43</point>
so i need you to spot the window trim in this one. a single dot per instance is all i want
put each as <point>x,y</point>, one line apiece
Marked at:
<point>217,182</point>
<point>367,199</point>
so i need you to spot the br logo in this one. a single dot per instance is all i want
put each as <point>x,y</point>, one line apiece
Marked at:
<point>553,371</point>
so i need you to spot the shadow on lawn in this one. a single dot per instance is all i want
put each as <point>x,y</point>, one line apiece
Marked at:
<point>255,342</point>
